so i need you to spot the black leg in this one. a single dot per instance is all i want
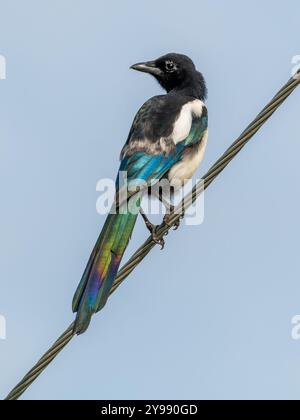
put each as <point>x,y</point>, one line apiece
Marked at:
<point>169,209</point>
<point>152,228</point>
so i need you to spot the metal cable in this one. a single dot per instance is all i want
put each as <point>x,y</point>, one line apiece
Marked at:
<point>163,229</point>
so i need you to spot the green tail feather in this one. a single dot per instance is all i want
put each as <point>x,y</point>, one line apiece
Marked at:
<point>101,270</point>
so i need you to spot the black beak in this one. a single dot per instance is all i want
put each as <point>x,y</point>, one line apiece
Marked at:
<point>148,67</point>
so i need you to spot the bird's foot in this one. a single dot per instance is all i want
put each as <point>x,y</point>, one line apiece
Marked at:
<point>176,224</point>
<point>153,229</point>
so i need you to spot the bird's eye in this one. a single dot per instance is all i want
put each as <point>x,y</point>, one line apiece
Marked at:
<point>170,66</point>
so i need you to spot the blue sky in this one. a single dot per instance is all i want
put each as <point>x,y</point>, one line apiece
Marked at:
<point>210,316</point>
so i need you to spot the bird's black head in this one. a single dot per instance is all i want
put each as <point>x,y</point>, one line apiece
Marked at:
<point>176,72</point>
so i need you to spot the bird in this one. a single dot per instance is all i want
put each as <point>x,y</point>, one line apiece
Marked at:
<point>167,140</point>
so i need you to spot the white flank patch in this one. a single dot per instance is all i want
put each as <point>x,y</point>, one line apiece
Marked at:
<point>183,123</point>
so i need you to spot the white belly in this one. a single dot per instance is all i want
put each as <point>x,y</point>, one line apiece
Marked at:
<point>184,170</point>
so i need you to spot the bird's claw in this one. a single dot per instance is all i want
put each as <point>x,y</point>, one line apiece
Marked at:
<point>175,224</point>
<point>157,240</point>
<point>167,220</point>
<point>153,228</point>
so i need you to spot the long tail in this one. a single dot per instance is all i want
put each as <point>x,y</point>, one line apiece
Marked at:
<point>101,270</point>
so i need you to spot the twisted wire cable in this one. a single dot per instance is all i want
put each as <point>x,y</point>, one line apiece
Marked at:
<point>164,228</point>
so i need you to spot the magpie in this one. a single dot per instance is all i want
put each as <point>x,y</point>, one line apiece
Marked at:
<point>167,140</point>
